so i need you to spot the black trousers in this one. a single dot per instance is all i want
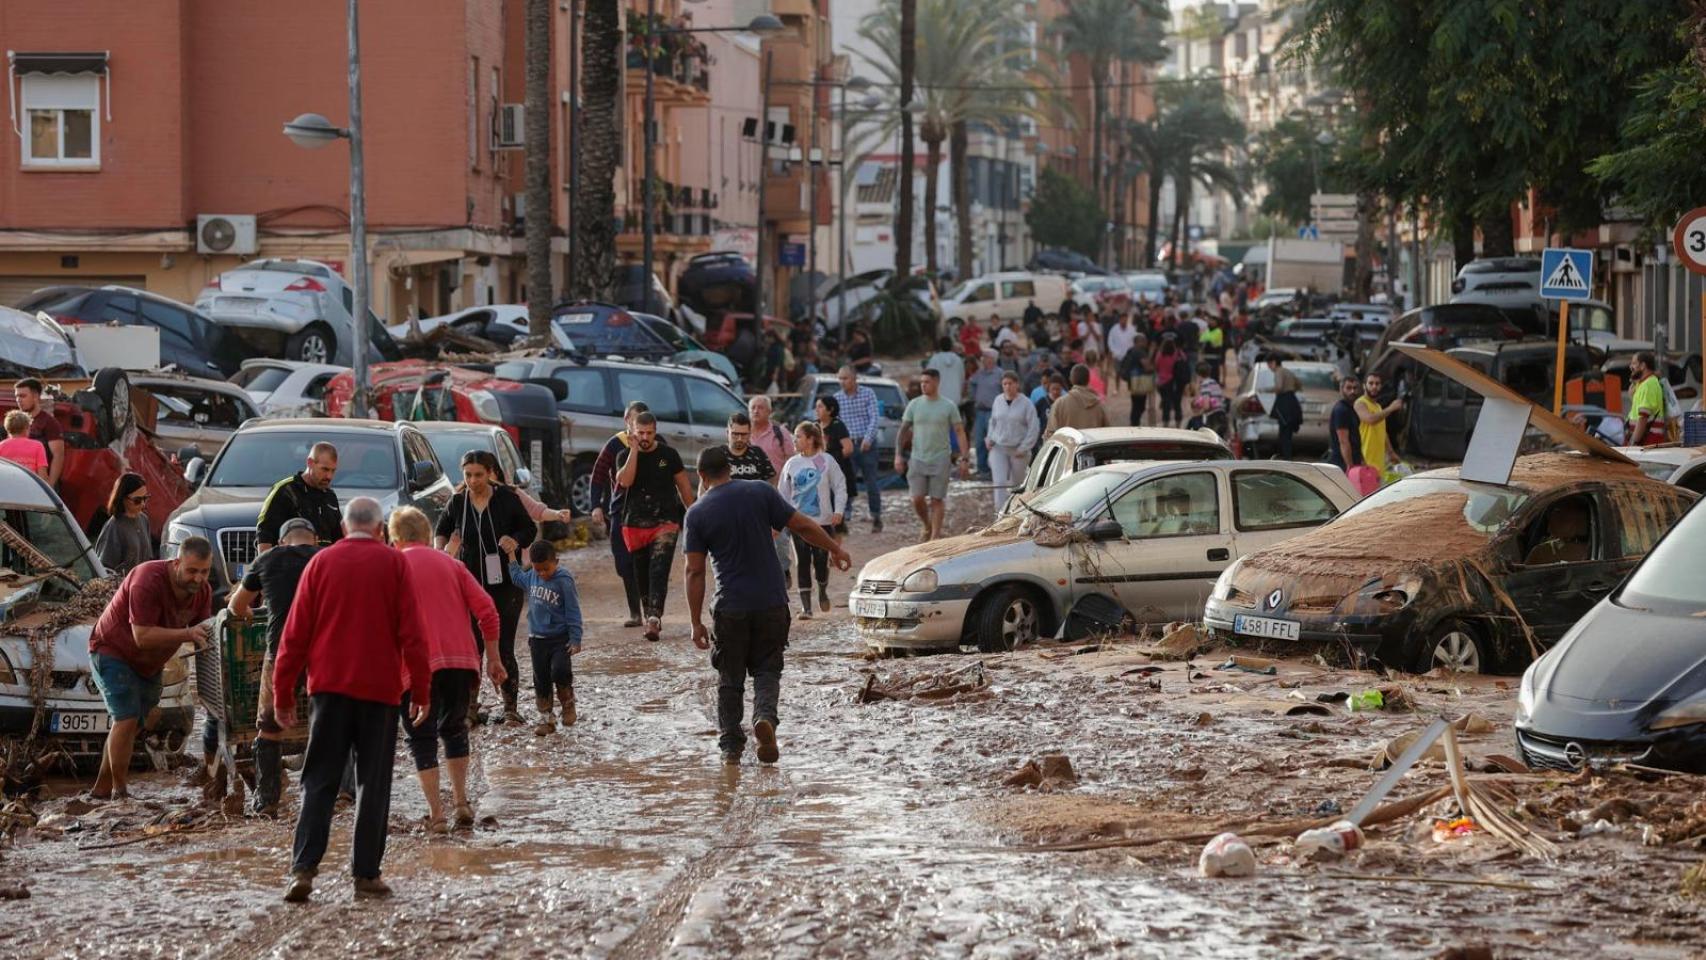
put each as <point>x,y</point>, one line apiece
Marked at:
<point>1172,397</point>
<point>551,664</point>
<point>1139,404</point>
<point>747,645</point>
<point>509,599</point>
<point>451,690</point>
<point>651,571</point>
<point>342,726</point>
<point>624,565</point>
<point>809,558</point>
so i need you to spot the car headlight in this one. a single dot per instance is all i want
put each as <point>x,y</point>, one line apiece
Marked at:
<point>176,533</point>
<point>485,406</point>
<point>6,674</point>
<point>1223,585</point>
<point>1525,692</point>
<point>1389,597</point>
<point>1684,714</point>
<point>919,581</point>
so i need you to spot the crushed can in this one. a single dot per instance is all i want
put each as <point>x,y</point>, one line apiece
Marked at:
<point>1330,842</point>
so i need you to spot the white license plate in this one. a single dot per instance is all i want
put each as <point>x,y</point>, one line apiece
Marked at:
<point>877,609</point>
<point>1266,627</point>
<point>79,722</point>
<point>240,305</point>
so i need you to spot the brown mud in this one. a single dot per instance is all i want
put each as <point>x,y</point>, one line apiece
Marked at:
<point>888,829</point>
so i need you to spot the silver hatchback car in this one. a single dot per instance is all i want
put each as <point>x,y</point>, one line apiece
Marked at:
<point>1150,536</point>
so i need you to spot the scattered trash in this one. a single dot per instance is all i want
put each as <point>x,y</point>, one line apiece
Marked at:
<point>1308,710</point>
<point>1330,842</point>
<point>1227,855</point>
<point>1143,671</point>
<point>1179,641</point>
<point>13,890</point>
<point>1599,826</point>
<point>1051,771</point>
<point>1366,700</point>
<point>1329,808</point>
<point>1447,830</point>
<point>1092,617</point>
<point>1251,665</point>
<point>1651,836</point>
<point>942,686</point>
<point>1694,881</point>
<point>1473,723</point>
<point>1204,719</point>
<point>1337,696</point>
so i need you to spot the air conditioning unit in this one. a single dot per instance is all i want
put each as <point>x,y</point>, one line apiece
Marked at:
<point>227,233</point>
<point>511,127</point>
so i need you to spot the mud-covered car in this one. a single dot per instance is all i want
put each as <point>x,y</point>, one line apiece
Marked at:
<point>1147,538</point>
<point>1438,571</point>
<point>44,562</point>
<point>1628,682</point>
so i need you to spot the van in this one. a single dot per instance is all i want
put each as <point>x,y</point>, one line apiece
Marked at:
<point>1005,295</point>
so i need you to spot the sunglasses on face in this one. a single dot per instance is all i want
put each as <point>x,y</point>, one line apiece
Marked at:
<point>141,499</point>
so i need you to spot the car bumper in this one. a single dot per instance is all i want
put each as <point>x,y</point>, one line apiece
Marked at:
<point>1683,749</point>
<point>171,722</point>
<point>1365,632</point>
<point>910,624</point>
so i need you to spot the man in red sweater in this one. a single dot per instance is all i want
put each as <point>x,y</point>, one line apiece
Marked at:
<point>356,627</point>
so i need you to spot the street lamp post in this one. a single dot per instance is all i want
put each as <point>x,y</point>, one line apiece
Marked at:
<point>313,131</point>
<point>763,169</point>
<point>762,25</point>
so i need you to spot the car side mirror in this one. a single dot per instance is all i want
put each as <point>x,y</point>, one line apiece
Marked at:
<point>195,471</point>
<point>188,452</point>
<point>1104,530</point>
<point>523,477</point>
<point>423,474</point>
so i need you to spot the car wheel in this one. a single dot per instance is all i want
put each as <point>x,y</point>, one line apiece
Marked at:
<point>313,344</point>
<point>112,386</point>
<point>1455,647</point>
<point>1008,619</point>
<point>580,488</point>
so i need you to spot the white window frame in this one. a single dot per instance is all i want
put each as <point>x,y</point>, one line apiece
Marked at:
<point>59,93</point>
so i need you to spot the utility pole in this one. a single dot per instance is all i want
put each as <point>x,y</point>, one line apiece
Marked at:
<point>763,169</point>
<point>574,137</point>
<point>358,225</point>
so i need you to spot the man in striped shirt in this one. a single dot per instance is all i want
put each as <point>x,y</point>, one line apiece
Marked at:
<point>862,415</point>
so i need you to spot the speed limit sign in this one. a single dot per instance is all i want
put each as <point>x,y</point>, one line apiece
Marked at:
<point>1689,240</point>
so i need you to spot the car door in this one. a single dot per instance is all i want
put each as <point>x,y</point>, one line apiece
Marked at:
<point>1269,506</point>
<point>709,407</point>
<point>590,405</point>
<point>1176,544</point>
<point>661,393</point>
<point>432,498</point>
<point>1560,567</point>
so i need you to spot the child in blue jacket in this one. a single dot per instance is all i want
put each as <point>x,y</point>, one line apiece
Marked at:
<point>553,628</point>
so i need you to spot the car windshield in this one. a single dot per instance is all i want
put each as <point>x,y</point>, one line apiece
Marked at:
<point>1669,580</point>
<point>1316,378</point>
<point>1147,282</point>
<point>1079,493</point>
<point>1486,506</point>
<point>262,458</point>
<point>1148,450</point>
<point>49,533</point>
<point>450,445</point>
<point>260,379</point>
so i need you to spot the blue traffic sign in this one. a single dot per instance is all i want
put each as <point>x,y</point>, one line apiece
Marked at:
<point>1566,273</point>
<point>791,255</point>
<point>1309,231</point>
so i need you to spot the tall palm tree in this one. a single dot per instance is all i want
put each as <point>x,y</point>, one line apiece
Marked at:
<point>1104,33</point>
<point>601,151</point>
<point>906,43</point>
<point>539,207</point>
<point>1186,140</point>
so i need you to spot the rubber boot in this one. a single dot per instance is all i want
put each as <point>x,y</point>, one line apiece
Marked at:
<point>566,698</point>
<point>806,604</point>
<point>545,724</point>
<point>269,776</point>
<point>511,714</point>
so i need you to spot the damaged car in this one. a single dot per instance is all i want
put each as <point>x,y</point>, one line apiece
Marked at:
<point>1627,683</point>
<point>1142,541</point>
<point>1441,571</point>
<point>46,616</point>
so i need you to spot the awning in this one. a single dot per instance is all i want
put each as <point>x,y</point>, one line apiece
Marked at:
<point>58,62</point>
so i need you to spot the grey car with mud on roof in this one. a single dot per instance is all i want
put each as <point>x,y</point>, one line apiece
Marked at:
<point>1439,571</point>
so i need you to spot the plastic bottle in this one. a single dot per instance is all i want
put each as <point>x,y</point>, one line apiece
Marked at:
<point>1227,855</point>
<point>1329,842</point>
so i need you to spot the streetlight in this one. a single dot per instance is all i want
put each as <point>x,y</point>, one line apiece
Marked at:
<point>312,131</point>
<point>763,25</point>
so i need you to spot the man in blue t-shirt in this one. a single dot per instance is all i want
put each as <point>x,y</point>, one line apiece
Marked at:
<point>749,615</point>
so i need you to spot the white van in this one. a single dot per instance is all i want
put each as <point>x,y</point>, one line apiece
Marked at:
<point>1005,295</point>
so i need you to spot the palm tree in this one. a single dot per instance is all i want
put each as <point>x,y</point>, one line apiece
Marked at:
<point>906,42</point>
<point>1106,32</point>
<point>1187,140</point>
<point>539,212</point>
<point>601,151</point>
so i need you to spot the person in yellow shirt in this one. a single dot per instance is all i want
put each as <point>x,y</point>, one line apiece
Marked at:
<point>1377,449</point>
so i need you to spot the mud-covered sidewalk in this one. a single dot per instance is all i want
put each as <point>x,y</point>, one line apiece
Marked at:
<point>906,825</point>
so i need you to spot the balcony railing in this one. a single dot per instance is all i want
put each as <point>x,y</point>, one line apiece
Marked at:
<point>674,56</point>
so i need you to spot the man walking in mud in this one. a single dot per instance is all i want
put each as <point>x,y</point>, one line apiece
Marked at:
<point>656,492</point>
<point>734,522</point>
<point>356,628</point>
<point>928,424</point>
<point>606,496</point>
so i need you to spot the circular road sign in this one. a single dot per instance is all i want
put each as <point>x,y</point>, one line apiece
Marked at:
<point>1689,240</point>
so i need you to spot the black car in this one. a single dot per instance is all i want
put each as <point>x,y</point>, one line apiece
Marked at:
<point>1436,571</point>
<point>1440,414</point>
<point>1065,261</point>
<point>1628,682</point>
<point>718,281</point>
<point>189,340</point>
<point>608,330</point>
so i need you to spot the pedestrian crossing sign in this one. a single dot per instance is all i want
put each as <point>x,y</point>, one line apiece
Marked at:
<point>1567,273</point>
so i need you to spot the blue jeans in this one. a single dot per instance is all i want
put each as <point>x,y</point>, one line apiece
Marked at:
<point>979,430</point>
<point>128,694</point>
<point>865,462</point>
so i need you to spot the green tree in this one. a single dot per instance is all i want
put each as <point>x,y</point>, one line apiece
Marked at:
<point>1659,171</point>
<point>594,196</point>
<point>1065,213</point>
<point>1187,140</point>
<point>1291,159</point>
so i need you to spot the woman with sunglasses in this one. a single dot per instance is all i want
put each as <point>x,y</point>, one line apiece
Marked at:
<point>124,542</point>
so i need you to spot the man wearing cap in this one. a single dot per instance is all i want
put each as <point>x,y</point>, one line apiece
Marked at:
<point>273,578</point>
<point>985,386</point>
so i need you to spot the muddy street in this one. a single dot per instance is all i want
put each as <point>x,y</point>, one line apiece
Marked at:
<point>889,828</point>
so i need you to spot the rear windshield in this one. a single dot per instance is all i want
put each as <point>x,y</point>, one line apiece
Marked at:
<point>1152,450</point>
<point>260,379</point>
<point>52,301</point>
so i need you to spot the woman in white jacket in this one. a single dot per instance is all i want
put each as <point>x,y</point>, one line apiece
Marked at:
<point>1012,433</point>
<point>814,484</point>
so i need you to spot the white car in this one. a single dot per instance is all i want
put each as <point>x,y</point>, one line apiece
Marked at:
<point>287,388</point>
<point>33,583</point>
<point>294,309</point>
<point>1678,466</point>
<point>501,323</point>
<point>1148,538</point>
<point>1005,295</point>
<point>1147,286</point>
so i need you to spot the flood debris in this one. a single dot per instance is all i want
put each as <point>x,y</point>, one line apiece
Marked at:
<point>931,687</point>
<point>1259,665</point>
<point>1227,855</point>
<point>1179,641</point>
<point>1051,771</point>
